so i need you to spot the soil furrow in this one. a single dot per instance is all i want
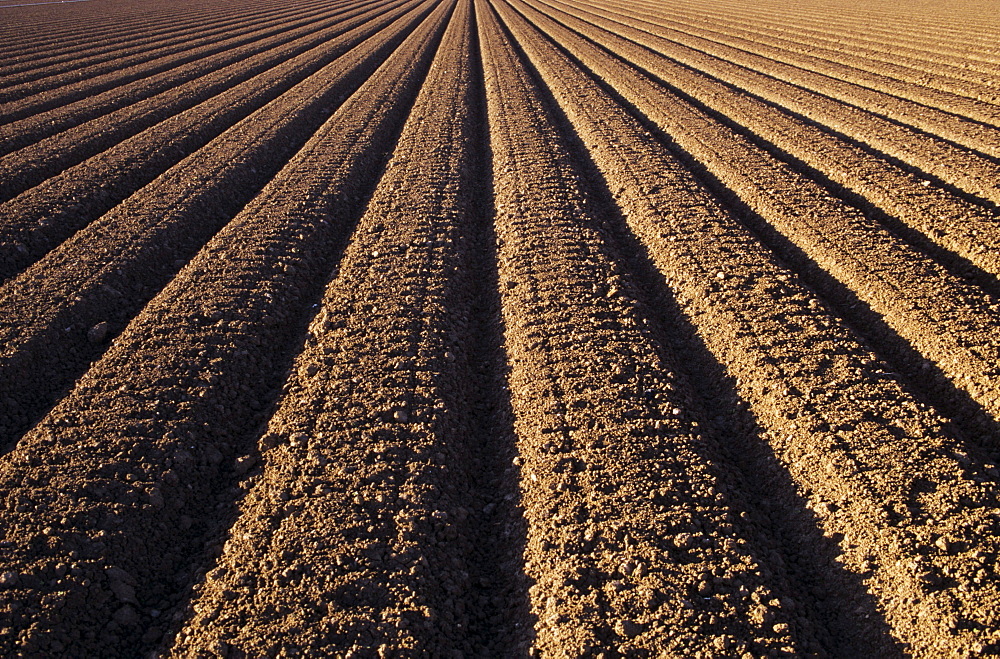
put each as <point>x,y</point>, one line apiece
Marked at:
<point>235,75</point>
<point>955,77</point>
<point>122,259</point>
<point>17,107</point>
<point>907,505</point>
<point>926,138</point>
<point>922,91</point>
<point>856,55</point>
<point>179,87</point>
<point>38,220</point>
<point>499,328</point>
<point>84,25</point>
<point>893,37</point>
<point>104,27</point>
<point>365,511</point>
<point>968,230</point>
<point>635,541</point>
<point>202,361</point>
<point>105,52</point>
<point>918,298</point>
<point>82,63</point>
<point>862,61</point>
<point>937,158</point>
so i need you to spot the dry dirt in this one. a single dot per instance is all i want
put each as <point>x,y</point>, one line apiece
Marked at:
<point>499,328</point>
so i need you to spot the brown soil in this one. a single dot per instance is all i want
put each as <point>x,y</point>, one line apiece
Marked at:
<point>558,328</point>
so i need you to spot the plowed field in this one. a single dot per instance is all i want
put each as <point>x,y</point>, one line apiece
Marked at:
<point>499,328</point>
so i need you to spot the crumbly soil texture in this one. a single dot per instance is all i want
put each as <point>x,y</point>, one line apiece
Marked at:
<point>499,328</point>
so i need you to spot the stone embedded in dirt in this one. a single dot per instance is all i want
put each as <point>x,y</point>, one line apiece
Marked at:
<point>401,416</point>
<point>628,628</point>
<point>269,441</point>
<point>942,544</point>
<point>9,579</point>
<point>98,332</point>
<point>298,440</point>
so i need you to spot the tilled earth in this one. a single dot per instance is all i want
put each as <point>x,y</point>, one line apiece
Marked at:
<point>489,328</point>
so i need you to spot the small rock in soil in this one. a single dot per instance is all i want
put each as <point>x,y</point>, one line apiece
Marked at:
<point>98,332</point>
<point>269,441</point>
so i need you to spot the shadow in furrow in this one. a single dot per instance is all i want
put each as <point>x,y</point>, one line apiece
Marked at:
<point>977,123</point>
<point>90,176</point>
<point>256,328</point>
<point>67,142</point>
<point>46,365</point>
<point>954,263</point>
<point>98,64</point>
<point>968,419</point>
<point>284,347</point>
<point>502,623</point>
<point>829,602</point>
<point>833,610</point>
